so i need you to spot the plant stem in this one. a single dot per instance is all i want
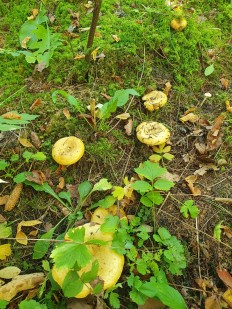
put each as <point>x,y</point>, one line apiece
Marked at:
<point>93,26</point>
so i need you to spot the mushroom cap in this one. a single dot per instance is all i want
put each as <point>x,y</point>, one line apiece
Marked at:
<point>154,100</point>
<point>178,24</point>
<point>110,263</point>
<point>68,150</point>
<point>152,133</point>
<point>100,214</point>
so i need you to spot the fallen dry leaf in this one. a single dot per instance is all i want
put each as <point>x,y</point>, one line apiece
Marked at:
<point>25,142</point>
<point>21,237</point>
<point>191,117</point>
<point>191,180</point>
<point>118,79</point>
<point>3,199</point>
<point>225,276</point>
<point>201,148</point>
<point>34,233</point>
<point>228,107</point>
<point>9,272</point>
<point>129,127</point>
<point>66,113</point>
<point>14,197</point>
<point>36,177</point>
<point>152,303</point>
<point>168,87</point>
<point>20,283</point>
<point>227,231</point>
<point>61,183</point>
<point>2,219</point>
<point>79,56</point>
<point>11,115</point>
<point>171,177</point>
<point>5,251</point>
<point>35,104</point>
<point>34,12</point>
<point>214,137</point>
<point>225,83</point>
<point>78,304</point>
<point>204,168</point>
<point>190,110</point>
<point>25,41</point>
<point>35,140</point>
<point>123,116</point>
<point>212,302</point>
<point>115,37</point>
<point>227,296</point>
<point>94,53</point>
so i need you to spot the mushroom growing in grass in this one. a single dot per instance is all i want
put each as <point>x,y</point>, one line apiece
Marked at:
<point>110,263</point>
<point>154,100</point>
<point>68,150</point>
<point>152,133</point>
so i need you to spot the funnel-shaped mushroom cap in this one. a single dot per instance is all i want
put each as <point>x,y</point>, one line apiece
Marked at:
<point>152,133</point>
<point>68,150</point>
<point>154,100</point>
<point>110,263</point>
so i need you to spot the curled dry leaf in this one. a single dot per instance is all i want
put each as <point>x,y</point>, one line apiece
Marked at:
<point>5,251</point>
<point>191,180</point>
<point>35,140</point>
<point>204,168</point>
<point>227,231</point>
<point>61,183</point>
<point>25,142</point>
<point>115,37</point>
<point>225,83</point>
<point>168,87</point>
<point>79,56</point>
<point>20,283</point>
<point>214,137</point>
<point>3,199</point>
<point>201,148</point>
<point>123,116</point>
<point>9,272</point>
<point>35,104</point>
<point>212,302</point>
<point>66,113</point>
<point>11,115</point>
<point>129,127</point>
<point>225,276</point>
<point>34,12</point>
<point>36,177</point>
<point>191,117</point>
<point>14,197</point>
<point>228,107</point>
<point>21,237</point>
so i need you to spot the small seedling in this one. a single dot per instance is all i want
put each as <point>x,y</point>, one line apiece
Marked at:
<point>188,208</point>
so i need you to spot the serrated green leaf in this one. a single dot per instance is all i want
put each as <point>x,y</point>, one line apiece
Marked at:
<point>92,274</point>
<point>108,201</point>
<point>29,304</point>
<point>41,246</point>
<point>163,184</point>
<point>141,186</point>
<point>3,163</point>
<point>114,300</point>
<point>97,289</point>
<point>5,231</point>
<point>138,297</point>
<point>141,266</point>
<point>118,192</point>
<point>155,197</point>
<point>189,208</point>
<point>72,285</point>
<point>164,233</point>
<point>217,232</point>
<point>150,170</point>
<point>77,234</point>
<point>84,189</point>
<point>40,156</point>
<point>209,70</point>
<point>46,265</point>
<point>110,224</point>
<point>102,185</point>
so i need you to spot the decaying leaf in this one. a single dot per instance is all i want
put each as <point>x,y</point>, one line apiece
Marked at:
<point>123,116</point>
<point>35,140</point>
<point>191,180</point>
<point>225,276</point>
<point>66,113</point>
<point>25,41</point>
<point>36,177</point>
<point>204,283</point>
<point>9,272</point>
<point>94,53</point>
<point>152,303</point>
<point>61,183</point>
<point>2,219</point>
<point>212,302</point>
<point>21,237</point>
<point>191,117</point>
<point>129,127</point>
<point>214,137</point>
<point>11,115</point>
<point>20,283</point>
<point>3,199</point>
<point>204,168</point>
<point>227,296</point>
<point>225,83</point>
<point>14,197</point>
<point>227,231</point>
<point>115,37</point>
<point>228,107</point>
<point>201,148</point>
<point>5,251</point>
<point>34,12</point>
<point>168,87</point>
<point>79,56</point>
<point>25,142</point>
<point>35,104</point>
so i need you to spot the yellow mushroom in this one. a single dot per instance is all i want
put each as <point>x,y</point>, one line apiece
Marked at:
<point>178,24</point>
<point>152,133</point>
<point>68,150</point>
<point>110,263</point>
<point>154,100</point>
<point>100,214</point>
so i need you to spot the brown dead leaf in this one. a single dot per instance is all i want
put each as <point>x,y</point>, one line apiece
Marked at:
<point>35,104</point>
<point>152,303</point>
<point>204,168</point>
<point>227,296</point>
<point>40,66</point>
<point>25,41</point>
<point>2,219</point>
<point>227,231</point>
<point>3,199</point>
<point>36,177</point>
<point>129,127</point>
<point>78,304</point>
<point>20,283</point>
<point>191,180</point>
<point>168,87</point>
<point>79,56</point>
<point>204,283</point>
<point>25,142</point>
<point>106,96</point>
<point>201,148</point>
<point>73,190</point>
<point>214,137</point>
<point>115,37</point>
<point>225,83</point>
<point>212,302</point>
<point>66,113</point>
<point>228,107</point>
<point>118,79</point>
<point>35,140</point>
<point>14,197</point>
<point>191,117</point>
<point>5,251</point>
<point>190,110</point>
<point>11,115</point>
<point>225,276</point>
<point>171,177</point>
<point>61,183</point>
<point>123,116</point>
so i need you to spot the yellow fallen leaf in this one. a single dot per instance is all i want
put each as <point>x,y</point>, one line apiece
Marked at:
<point>66,113</point>
<point>191,180</point>
<point>115,37</point>
<point>79,56</point>
<point>123,116</point>
<point>94,53</point>
<point>227,296</point>
<point>9,272</point>
<point>25,142</point>
<point>168,87</point>
<point>228,107</point>
<point>21,238</point>
<point>5,250</point>
<point>11,115</point>
<point>34,14</point>
<point>25,41</point>
<point>191,117</point>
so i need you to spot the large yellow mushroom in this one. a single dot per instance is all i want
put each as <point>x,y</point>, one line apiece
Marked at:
<point>154,100</point>
<point>68,150</point>
<point>152,133</point>
<point>100,214</point>
<point>110,263</point>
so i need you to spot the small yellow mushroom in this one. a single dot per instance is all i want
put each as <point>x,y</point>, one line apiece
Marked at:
<point>154,100</point>
<point>152,133</point>
<point>68,150</point>
<point>178,24</point>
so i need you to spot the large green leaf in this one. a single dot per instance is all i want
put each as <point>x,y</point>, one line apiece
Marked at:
<point>41,246</point>
<point>150,170</point>
<point>72,285</point>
